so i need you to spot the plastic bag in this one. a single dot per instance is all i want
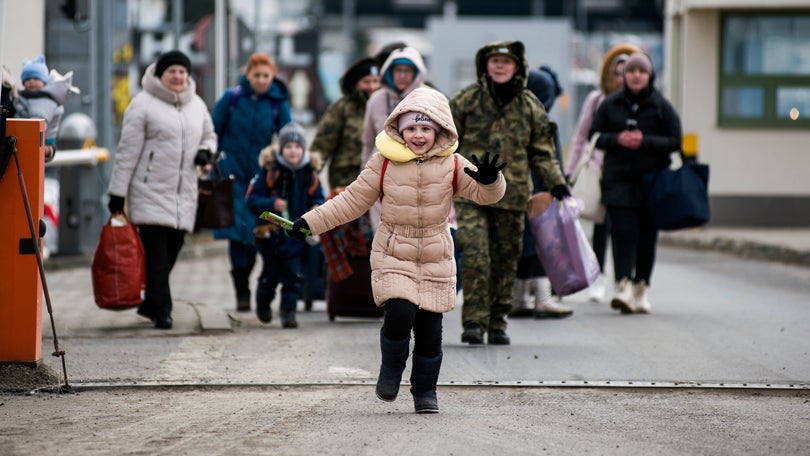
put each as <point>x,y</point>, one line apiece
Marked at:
<point>562,246</point>
<point>119,266</point>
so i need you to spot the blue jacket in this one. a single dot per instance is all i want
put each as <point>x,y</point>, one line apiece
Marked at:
<point>244,126</point>
<point>300,187</point>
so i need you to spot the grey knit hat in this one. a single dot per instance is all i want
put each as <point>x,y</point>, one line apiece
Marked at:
<point>292,132</point>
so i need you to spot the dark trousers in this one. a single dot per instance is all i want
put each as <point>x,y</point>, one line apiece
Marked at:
<point>161,245</point>
<point>401,316</point>
<point>634,240</point>
<point>601,231</point>
<point>276,269</point>
<point>242,256</point>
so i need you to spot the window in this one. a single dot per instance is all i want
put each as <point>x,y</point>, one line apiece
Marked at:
<point>765,70</point>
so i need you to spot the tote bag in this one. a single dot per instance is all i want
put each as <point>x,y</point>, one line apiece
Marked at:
<point>561,244</point>
<point>215,201</point>
<point>586,185</point>
<point>678,198</point>
<point>119,267</point>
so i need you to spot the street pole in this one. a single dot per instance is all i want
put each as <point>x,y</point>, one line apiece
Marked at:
<point>220,44</point>
<point>177,21</point>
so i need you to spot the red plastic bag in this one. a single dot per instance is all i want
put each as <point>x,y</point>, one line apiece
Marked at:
<point>119,267</point>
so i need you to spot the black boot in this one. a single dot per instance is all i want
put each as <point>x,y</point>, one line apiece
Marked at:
<point>473,333</point>
<point>241,278</point>
<point>424,376</point>
<point>394,357</point>
<point>264,296</point>
<point>288,319</point>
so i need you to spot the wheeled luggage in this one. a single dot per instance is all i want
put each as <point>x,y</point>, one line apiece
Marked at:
<point>352,296</point>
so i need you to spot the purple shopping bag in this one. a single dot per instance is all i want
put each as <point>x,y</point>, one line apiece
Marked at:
<point>563,247</point>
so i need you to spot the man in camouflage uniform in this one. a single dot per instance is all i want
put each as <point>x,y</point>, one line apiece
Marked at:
<point>340,130</point>
<point>498,115</point>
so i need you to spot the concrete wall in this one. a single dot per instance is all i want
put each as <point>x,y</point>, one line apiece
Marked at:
<point>758,176</point>
<point>451,66</point>
<point>22,32</point>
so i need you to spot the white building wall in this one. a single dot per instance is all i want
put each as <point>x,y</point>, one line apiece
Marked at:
<point>22,32</point>
<point>759,162</point>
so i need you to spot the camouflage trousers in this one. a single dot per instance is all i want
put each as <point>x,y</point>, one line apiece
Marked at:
<point>490,241</point>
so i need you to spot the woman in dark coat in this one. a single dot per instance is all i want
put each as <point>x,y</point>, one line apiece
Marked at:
<point>639,129</point>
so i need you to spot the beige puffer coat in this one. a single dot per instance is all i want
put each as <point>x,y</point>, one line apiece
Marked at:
<point>412,250</point>
<point>154,161</point>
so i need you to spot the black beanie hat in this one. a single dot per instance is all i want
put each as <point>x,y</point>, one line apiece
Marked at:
<point>171,58</point>
<point>358,71</point>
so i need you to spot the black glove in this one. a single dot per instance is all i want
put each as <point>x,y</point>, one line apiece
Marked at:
<point>560,191</point>
<point>203,157</point>
<point>115,204</point>
<point>300,229</point>
<point>487,170</point>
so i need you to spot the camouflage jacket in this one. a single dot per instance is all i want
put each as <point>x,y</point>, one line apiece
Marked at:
<point>519,131</point>
<point>339,138</point>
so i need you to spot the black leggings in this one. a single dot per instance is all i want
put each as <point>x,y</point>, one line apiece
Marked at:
<point>601,233</point>
<point>634,240</point>
<point>402,315</point>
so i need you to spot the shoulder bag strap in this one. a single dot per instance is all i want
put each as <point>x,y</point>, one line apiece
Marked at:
<point>586,157</point>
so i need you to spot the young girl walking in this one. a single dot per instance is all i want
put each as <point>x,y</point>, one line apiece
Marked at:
<point>415,175</point>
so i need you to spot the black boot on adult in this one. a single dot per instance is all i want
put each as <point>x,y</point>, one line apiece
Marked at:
<point>241,278</point>
<point>394,358</point>
<point>424,376</point>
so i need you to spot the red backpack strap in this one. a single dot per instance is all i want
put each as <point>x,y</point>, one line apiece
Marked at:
<point>382,176</point>
<point>314,186</point>
<point>455,173</point>
<point>271,177</point>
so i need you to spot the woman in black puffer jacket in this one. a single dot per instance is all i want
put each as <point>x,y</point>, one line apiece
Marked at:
<point>639,129</point>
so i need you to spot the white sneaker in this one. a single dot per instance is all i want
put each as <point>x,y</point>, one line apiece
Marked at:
<point>598,288</point>
<point>640,301</point>
<point>623,299</point>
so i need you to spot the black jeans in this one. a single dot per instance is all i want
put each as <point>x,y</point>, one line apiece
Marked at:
<point>401,316</point>
<point>634,240</point>
<point>601,232</point>
<point>283,270</point>
<point>161,245</point>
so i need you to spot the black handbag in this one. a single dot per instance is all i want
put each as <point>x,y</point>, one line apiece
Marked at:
<point>215,200</point>
<point>679,198</point>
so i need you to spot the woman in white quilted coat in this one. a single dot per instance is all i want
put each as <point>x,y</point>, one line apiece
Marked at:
<point>167,130</point>
<point>415,174</point>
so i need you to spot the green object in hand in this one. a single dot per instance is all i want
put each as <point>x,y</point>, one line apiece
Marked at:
<point>281,221</point>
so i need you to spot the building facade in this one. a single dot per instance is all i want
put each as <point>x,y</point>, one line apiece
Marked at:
<point>738,72</point>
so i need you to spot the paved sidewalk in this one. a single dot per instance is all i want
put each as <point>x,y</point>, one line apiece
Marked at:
<point>784,245</point>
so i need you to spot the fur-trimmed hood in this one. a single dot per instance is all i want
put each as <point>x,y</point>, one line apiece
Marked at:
<point>606,83</point>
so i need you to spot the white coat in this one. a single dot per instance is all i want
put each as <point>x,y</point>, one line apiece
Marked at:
<point>154,162</point>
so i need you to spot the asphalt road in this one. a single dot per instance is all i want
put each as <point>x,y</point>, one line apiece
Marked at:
<point>721,366</point>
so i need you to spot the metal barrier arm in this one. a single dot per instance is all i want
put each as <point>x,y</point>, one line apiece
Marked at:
<point>91,156</point>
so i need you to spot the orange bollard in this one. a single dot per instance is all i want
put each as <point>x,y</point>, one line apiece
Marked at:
<point>20,283</point>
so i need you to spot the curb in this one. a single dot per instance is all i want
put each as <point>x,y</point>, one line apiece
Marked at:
<point>740,247</point>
